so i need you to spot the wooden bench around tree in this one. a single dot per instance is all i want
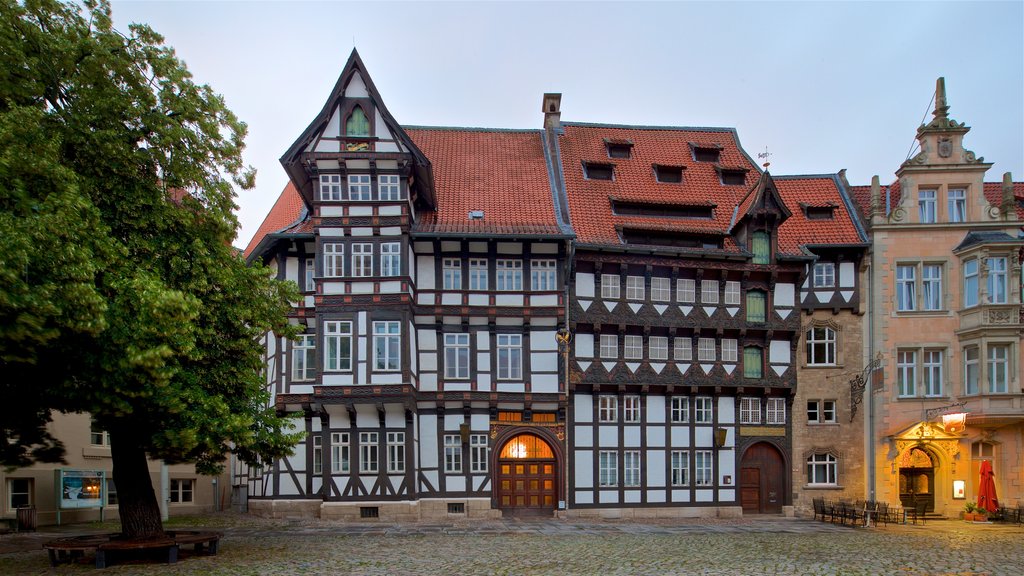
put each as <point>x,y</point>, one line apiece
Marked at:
<point>106,545</point>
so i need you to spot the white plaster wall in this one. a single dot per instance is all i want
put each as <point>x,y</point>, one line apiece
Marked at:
<point>584,436</point>
<point>631,436</point>
<point>847,274</point>
<point>656,468</point>
<point>332,211</point>
<point>779,352</point>
<point>655,409</point>
<point>425,273</point>
<point>607,436</point>
<point>584,469</point>
<point>584,345</point>
<point>585,284</point>
<point>333,129</point>
<point>583,408</point>
<point>428,441</point>
<point>726,410</point>
<point>356,88</point>
<point>366,416</point>
<point>784,294</point>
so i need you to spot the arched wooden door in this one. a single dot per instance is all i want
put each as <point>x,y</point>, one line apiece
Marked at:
<point>762,479</point>
<point>527,476</point>
<point>917,479</point>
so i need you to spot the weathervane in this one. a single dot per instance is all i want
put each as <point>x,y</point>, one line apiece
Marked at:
<point>764,156</point>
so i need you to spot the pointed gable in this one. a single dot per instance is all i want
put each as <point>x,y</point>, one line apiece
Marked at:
<point>762,200</point>
<point>354,122</point>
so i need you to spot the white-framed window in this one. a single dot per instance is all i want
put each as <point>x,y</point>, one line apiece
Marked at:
<point>608,468</point>
<point>926,206</point>
<point>709,291</point>
<point>334,259</point>
<point>452,453</point>
<point>732,293</point>
<point>933,372</point>
<point>340,452</point>
<point>609,346</point>
<point>610,286</point>
<point>391,259</point>
<point>906,372</point>
<point>680,467</point>
<point>631,408</point>
<point>19,493</point>
<point>310,273</point>
<point>776,411</point>
<point>387,346</point>
<point>657,347</point>
<point>98,436</point>
<point>318,454</point>
<point>821,346</point>
<point>680,409</point>
<point>182,490</point>
<point>972,369</point>
<point>396,452</point>
<point>706,349</point>
<point>479,451</point>
<point>821,469</point>
<point>456,356</point>
<point>703,411</point>
<point>821,411</point>
<point>508,276</point>
<point>704,468</point>
<point>330,187</point>
<point>750,410</point>
<point>730,350</point>
<point>635,288</point>
<point>631,468</point>
<point>686,290</point>
<point>957,198</point>
<point>824,274</point>
<point>542,275</point>
<point>906,295</point>
<point>368,452</point>
<point>304,357</point>
<point>337,346</point>
<point>996,279</point>
<point>359,187</point>
<point>388,187</point>
<point>510,356</point>
<point>451,273</point>
<point>478,274</point>
<point>682,349</point>
<point>931,287</point>
<point>633,347</point>
<point>661,289</point>
<point>971,283</point>
<point>362,260</point>
<point>607,408</point>
<point>998,368</point>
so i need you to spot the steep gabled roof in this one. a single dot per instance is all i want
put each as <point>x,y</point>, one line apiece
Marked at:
<point>590,201</point>
<point>290,159</point>
<point>501,173</point>
<point>761,197</point>
<point>286,216</point>
<point>799,231</point>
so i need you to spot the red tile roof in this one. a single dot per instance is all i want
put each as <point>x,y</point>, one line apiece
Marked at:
<point>993,193</point>
<point>798,230</point>
<point>589,205</point>
<point>283,214</point>
<point>501,172</point>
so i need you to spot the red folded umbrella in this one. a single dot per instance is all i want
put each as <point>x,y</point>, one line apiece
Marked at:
<point>987,489</point>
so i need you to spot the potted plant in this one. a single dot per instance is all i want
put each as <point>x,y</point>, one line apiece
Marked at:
<point>972,513</point>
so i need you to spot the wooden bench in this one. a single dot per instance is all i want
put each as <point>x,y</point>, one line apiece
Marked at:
<point>8,524</point>
<point>201,541</point>
<point>68,549</point>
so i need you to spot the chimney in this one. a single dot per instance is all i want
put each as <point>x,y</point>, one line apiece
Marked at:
<point>876,196</point>
<point>552,109</point>
<point>1008,207</point>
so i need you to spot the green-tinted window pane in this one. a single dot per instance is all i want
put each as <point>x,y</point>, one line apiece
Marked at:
<point>761,247</point>
<point>357,124</point>
<point>756,304</point>
<point>752,362</point>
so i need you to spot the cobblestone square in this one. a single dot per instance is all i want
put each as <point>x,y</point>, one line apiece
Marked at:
<point>748,546</point>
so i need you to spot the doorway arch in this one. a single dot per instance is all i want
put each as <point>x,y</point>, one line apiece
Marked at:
<point>527,476</point>
<point>917,478</point>
<point>762,479</point>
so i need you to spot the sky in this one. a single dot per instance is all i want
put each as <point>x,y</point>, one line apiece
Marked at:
<point>820,85</point>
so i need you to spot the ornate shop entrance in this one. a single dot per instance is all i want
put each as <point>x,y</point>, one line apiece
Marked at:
<point>527,478</point>
<point>917,479</point>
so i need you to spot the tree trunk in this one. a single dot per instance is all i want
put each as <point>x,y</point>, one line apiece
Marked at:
<point>136,501</point>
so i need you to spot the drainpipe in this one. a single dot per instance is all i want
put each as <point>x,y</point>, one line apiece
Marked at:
<point>869,391</point>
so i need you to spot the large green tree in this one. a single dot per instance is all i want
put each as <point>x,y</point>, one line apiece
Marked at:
<point>120,293</point>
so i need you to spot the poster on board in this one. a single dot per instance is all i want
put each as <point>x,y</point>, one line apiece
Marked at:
<point>80,488</point>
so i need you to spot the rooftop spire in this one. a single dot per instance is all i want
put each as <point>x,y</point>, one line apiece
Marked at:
<point>941,106</point>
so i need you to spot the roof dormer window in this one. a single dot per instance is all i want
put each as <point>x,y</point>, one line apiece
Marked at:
<point>734,177</point>
<point>668,174</point>
<point>598,171</point>
<point>357,124</point>
<point>820,212</point>
<point>706,154</point>
<point>619,148</point>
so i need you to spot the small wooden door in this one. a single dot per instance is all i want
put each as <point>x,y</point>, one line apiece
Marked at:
<point>527,476</point>
<point>762,471</point>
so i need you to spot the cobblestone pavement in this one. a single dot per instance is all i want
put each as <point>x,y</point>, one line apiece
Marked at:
<point>749,546</point>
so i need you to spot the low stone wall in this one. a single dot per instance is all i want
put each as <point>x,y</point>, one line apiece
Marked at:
<point>473,508</point>
<point>285,509</point>
<point>655,513</point>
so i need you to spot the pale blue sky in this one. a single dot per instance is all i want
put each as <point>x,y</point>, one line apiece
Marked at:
<point>823,85</point>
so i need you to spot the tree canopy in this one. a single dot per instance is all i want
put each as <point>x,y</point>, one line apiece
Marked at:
<point>120,292</point>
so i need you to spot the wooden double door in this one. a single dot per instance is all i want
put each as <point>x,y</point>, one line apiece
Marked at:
<point>527,477</point>
<point>762,480</point>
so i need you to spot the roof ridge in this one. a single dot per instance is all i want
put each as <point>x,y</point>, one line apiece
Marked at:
<point>470,129</point>
<point>794,176</point>
<point>722,129</point>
